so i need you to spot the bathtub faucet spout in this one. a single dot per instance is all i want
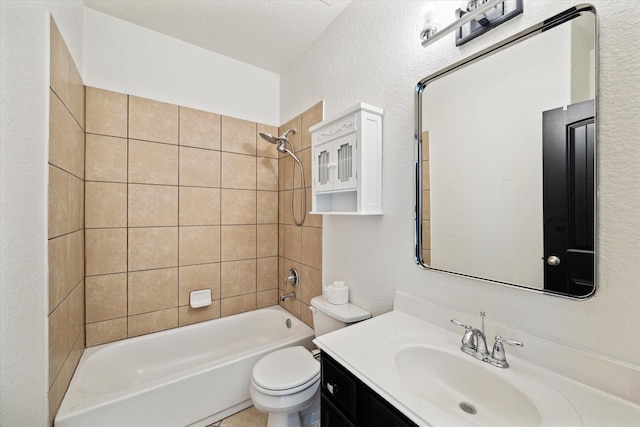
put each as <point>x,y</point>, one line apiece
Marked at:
<point>284,297</point>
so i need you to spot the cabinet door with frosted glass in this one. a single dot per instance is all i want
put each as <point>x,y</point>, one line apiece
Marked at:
<point>336,166</point>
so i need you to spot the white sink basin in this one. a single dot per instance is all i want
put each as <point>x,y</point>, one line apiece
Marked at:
<point>472,392</point>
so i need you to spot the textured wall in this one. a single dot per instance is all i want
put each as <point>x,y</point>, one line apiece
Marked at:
<point>123,57</point>
<point>371,53</point>
<point>24,81</point>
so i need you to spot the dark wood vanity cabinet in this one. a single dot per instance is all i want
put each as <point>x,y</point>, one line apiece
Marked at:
<point>348,402</point>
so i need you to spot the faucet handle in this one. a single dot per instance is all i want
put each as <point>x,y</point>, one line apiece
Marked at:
<point>459,323</point>
<point>468,339</point>
<point>498,356</point>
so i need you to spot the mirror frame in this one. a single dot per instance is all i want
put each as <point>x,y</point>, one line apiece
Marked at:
<point>543,26</point>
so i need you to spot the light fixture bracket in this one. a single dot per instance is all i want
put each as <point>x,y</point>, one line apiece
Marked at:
<point>499,14</point>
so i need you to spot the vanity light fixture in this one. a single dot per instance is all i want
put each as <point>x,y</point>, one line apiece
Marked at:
<point>475,17</point>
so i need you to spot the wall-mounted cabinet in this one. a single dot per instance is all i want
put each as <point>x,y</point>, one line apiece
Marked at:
<point>347,163</point>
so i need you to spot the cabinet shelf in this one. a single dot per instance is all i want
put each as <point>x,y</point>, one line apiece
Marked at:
<point>347,163</point>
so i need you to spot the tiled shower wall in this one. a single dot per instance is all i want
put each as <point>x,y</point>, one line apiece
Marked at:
<point>66,219</point>
<point>176,200</point>
<point>299,247</point>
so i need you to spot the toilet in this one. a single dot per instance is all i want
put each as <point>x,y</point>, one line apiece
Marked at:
<point>286,383</point>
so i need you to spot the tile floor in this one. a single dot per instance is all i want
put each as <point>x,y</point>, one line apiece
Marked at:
<point>250,417</point>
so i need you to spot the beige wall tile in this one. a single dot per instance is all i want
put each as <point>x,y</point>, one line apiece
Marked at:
<point>238,207</point>
<point>153,163</point>
<point>106,158</point>
<point>59,65</point>
<point>199,167</point>
<point>58,257</point>
<point>296,124</point>
<point>200,129</point>
<point>426,205</point>
<point>238,171</point>
<point>61,382</point>
<point>293,306</point>
<point>58,340</point>
<point>288,170</point>
<point>281,228</point>
<point>263,148</point>
<point>153,205</point>
<point>76,149</point>
<point>292,236</point>
<point>267,298</point>
<point>267,273</point>
<point>105,205</point>
<point>309,118</point>
<point>153,120</point>
<point>189,316</point>
<point>426,177</point>
<point>198,277</point>
<point>267,174</point>
<point>310,283</point>
<point>66,266</point>
<point>58,201</point>
<point>152,322</point>
<point>106,250</point>
<point>305,158</point>
<point>238,136</point>
<point>152,290</point>
<point>239,304</point>
<point>199,245</point>
<point>153,247</point>
<point>199,206</point>
<point>60,125</point>
<point>106,297</point>
<point>267,240</point>
<point>75,214</point>
<point>238,242</point>
<point>311,247</point>
<point>267,207</point>
<point>76,94</point>
<point>76,314</point>
<point>238,278</point>
<point>107,331</point>
<point>106,112</point>
<point>74,270</point>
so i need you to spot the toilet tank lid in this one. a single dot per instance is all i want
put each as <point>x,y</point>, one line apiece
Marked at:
<point>347,313</point>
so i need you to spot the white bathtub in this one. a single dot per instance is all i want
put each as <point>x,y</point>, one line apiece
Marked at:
<point>190,376</point>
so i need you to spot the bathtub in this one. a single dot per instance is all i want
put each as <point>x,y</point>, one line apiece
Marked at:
<point>189,376</point>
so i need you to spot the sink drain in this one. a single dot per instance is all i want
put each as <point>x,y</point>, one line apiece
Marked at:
<point>468,408</point>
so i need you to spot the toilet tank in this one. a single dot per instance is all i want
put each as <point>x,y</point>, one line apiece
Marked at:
<point>330,317</point>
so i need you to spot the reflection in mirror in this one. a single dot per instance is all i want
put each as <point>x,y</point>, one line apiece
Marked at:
<point>505,161</point>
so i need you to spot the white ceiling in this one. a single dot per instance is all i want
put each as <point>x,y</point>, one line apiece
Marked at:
<point>269,34</point>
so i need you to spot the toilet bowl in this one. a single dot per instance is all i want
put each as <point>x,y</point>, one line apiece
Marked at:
<point>286,382</point>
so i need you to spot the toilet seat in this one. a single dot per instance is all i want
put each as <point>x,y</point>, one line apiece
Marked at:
<point>285,371</point>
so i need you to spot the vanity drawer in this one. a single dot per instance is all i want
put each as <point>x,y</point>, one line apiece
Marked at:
<point>331,417</point>
<point>339,386</point>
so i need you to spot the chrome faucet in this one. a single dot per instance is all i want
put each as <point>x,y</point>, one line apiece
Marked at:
<point>284,297</point>
<point>474,342</point>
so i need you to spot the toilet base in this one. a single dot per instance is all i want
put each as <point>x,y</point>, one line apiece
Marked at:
<point>284,419</point>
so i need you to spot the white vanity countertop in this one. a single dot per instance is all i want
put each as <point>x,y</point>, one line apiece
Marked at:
<point>367,349</point>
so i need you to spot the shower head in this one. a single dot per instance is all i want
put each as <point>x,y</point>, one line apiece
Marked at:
<point>269,138</point>
<point>280,141</point>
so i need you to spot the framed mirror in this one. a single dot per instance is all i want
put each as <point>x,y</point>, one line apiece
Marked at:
<point>505,161</point>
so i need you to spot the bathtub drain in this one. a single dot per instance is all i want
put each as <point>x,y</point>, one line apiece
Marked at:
<point>288,323</point>
<point>468,408</point>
